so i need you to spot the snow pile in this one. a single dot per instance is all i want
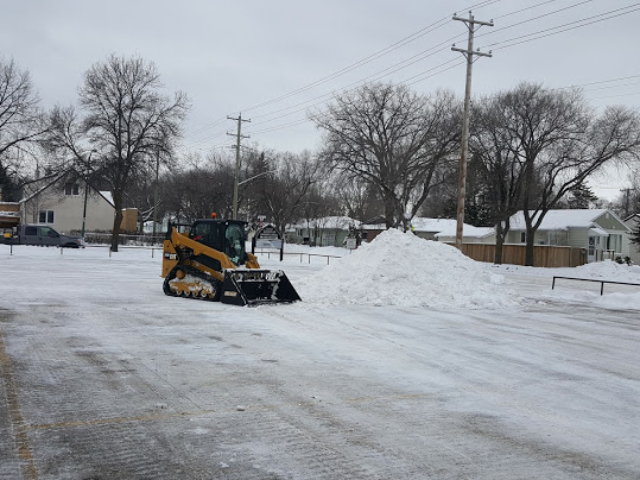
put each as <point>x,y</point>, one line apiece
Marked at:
<point>609,270</point>
<point>405,270</point>
<point>614,301</point>
<point>628,299</point>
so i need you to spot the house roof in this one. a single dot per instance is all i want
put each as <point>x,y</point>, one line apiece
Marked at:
<point>107,196</point>
<point>563,219</point>
<point>635,216</point>
<point>52,180</point>
<point>444,227</point>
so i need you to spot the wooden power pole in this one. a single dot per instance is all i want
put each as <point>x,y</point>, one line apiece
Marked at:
<point>238,136</point>
<point>473,25</point>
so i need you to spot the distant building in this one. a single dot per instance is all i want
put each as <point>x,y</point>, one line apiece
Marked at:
<point>322,232</point>
<point>439,229</point>
<point>599,231</point>
<point>59,202</point>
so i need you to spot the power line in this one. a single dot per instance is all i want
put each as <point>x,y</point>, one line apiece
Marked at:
<point>393,68</point>
<point>617,96</point>
<point>380,53</point>
<point>416,58</point>
<point>414,36</point>
<point>532,19</point>
<point>500,45</point>
<point>509,40</point>
<point>598,82</point>
<point>570,26</point>
<point>524,9</point>
<point>421,74</point>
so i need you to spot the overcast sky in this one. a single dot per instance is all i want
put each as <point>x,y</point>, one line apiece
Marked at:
<point>244,56</point>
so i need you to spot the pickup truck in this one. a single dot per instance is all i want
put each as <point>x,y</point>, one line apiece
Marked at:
<point>44,236</point>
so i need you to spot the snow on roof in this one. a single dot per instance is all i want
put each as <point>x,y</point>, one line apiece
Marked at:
<point>439,227</point>
<point>597,231</point>
<point>107,196</point>
<point>403,269</point>
<point>562,219</point>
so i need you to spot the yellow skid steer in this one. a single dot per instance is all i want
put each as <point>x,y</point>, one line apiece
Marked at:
<point>210,262</point>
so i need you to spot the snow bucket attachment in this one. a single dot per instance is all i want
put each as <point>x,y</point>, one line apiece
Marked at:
<point>257,287</point>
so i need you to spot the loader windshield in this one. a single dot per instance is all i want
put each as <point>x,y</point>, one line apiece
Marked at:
<point>234,243</point>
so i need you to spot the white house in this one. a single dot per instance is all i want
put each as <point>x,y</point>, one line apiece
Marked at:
<point>59,203</point>
<point>440,229</point>
<point>322,232</point>
<point>599,231</point>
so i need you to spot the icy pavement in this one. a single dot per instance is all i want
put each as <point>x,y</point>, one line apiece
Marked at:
<point>102,376</point>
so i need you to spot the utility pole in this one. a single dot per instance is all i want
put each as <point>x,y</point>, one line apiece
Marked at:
<point>473,25</point>
<point>86,191</point>
<point>238,136</point>
<point>626,201</point>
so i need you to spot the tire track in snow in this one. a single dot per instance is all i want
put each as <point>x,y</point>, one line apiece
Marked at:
<point>18,426</point>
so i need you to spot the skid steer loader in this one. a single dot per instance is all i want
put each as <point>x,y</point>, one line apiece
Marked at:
<point>209,262</point>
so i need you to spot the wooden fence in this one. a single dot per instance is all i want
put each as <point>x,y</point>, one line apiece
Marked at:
<point>543,256</point>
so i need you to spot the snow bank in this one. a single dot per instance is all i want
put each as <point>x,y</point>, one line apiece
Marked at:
<point>613,301</point>
<point>405,270</point>
<point>606,270</point>
<point>609,270</point>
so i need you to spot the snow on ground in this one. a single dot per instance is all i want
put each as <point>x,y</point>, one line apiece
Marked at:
<point>616,297</point>
<point>405,270</point>
<point>609,270</point>
<point>99,363</point>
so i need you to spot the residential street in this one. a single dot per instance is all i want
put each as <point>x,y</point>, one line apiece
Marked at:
<point>104,377</point>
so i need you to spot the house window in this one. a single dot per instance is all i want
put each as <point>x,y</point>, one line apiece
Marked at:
<point>72,189</point>
<point>46,216</point>
<point>555,238</point>
<point>523,237</point>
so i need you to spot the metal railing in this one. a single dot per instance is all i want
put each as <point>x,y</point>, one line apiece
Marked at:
<point>601,282</point>
<point>160,248</point>
<point>301,254</point>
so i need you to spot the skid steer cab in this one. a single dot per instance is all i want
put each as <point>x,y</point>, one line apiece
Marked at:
<point>208,260</point>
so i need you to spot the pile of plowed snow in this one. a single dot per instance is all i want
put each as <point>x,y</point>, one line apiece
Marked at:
<point>402,269</point>
<point>609,270</point>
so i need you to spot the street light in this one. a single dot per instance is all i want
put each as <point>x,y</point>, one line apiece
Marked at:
<point>237,184</point>
<point>256,176</point>
<point>86,193</point>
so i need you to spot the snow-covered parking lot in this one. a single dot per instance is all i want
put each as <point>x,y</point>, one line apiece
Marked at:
<point>397,365</point>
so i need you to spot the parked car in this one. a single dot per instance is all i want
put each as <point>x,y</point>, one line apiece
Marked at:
<point>43,235</point>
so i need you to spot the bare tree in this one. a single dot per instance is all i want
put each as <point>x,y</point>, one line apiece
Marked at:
<point>127,122</point>
<point>199,188</point>
<point>281,196</point>
<point>559,143</point>
<point>495,156</point>
<point>360,199</point>
<point>394,139</point>
<point>21,124</point>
